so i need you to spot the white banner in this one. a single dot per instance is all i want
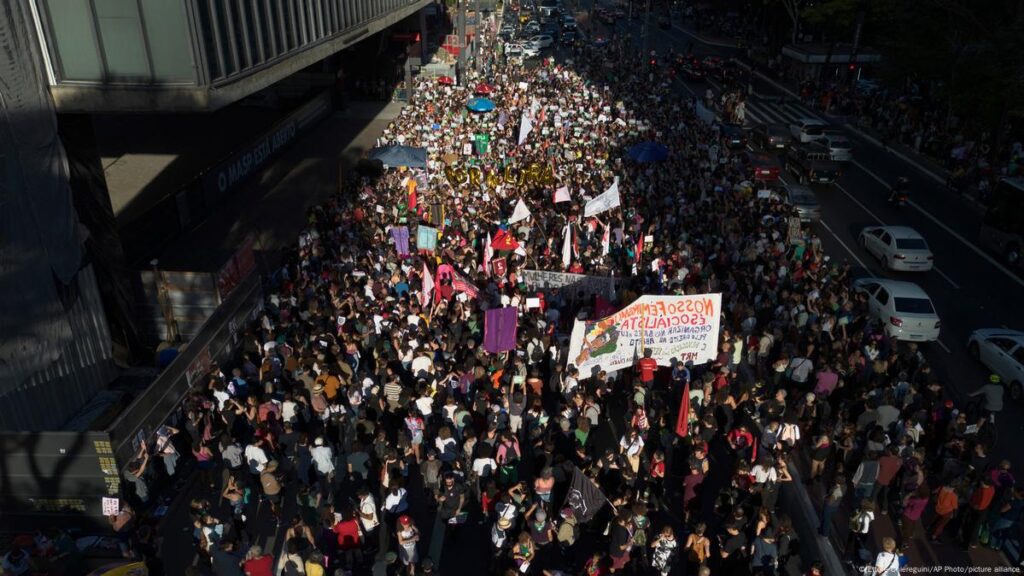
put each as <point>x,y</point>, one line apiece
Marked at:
<point>606,201</point>
<point>673,328</point>
<point>570,285</point>
<point>525,126</point>
<point>520,213</point>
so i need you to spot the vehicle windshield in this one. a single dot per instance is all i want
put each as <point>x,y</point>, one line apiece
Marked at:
<point>914,305</point>
<point>911,244</point>
<point>814,130</point>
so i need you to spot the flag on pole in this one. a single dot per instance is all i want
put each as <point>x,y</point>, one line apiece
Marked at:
<point>428,286</point>
<point>584,497</point>
<point>683,420</point>
<point>567,246</point>
<point>520,213</point>
<point>488,254</point>
<point>504,241</point>
<point>562,195</point>
<point>525,127</point>
<point>603,202</point>
<point>460,283</point>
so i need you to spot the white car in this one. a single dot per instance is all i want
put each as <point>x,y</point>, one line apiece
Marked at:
<point>531,27</point>
<point>542,41</point>
<point>807,129</point>
<point>897,248</point>
<point>514,48</point>
<point>530,50</point>
<point>1002,351</point>
<point>839,146</point>
<point>903,307</point>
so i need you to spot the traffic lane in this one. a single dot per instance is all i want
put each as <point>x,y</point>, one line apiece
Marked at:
<point>974,286</point>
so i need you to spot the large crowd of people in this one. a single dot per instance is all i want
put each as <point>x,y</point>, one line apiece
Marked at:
<point>365,419</point>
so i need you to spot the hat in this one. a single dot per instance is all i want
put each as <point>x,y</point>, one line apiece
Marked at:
<point>504,523</point>
<point>404,520</point>
<point>271,466</point>
<point>318,388</point>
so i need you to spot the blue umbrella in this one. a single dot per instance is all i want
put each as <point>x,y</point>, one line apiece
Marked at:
<point>648,152</point>
<point>480,105</point>
<point>400,156</point>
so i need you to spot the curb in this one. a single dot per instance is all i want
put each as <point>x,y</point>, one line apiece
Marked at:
<point>704,40</point>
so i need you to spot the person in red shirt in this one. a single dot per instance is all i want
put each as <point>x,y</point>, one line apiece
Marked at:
<point>349,538</point>
<point>979,502</point>
<point>647,366</point>
<point>257,563</point>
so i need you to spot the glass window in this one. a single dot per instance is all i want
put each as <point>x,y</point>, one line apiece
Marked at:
<point>121,34</point>
<point>1018,354</point>
<point>168,36</point>
<point>73,41</point>
<point>883,296</point>
<point>911,244</point>
<point>1003,343</point>
<point>914,305</point>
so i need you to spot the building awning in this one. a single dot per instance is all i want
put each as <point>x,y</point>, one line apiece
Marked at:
<point>822,53</point>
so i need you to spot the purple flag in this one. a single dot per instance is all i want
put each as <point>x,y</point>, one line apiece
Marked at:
<point>401,236</point>
<point>500,326</point>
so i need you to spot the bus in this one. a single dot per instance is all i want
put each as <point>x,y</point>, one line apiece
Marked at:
<point>1002,230</point>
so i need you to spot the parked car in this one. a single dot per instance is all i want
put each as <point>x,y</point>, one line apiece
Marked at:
<point>569,38</point>
<point>904,308</point>
<point>807,129</point>
<point>770,137</point>
<point>514,48</point>
<point>568,23</point>
<point>531,50</point>
<point>1002,352</point>
<point>811,162</point>
<point>897,248</point>
<point>734,134</point>
<point>839,146</point>
<point>804,200</point>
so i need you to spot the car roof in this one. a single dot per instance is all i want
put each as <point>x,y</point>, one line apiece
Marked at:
<point>1015,335</point>
<point>898,288</point>
<point>902,232</point>
<point>810,122</point>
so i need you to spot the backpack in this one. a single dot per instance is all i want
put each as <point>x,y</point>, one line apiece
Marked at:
<point>537,356</point>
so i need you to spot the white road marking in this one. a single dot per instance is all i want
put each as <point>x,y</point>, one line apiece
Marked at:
<point>859,203</point>
<point>845,247</point>
<point>923,169</point>
<point>949,230</point>
<point>947,278</point>
<point>943,346</point>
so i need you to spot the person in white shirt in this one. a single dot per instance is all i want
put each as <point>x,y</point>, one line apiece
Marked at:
<point>887,563</point>
<point>256,457</point>
<point>632,445</point>
<point>367,513</point>
<point>323,462</point>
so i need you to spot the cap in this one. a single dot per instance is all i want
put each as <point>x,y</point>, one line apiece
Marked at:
<point>504,523</point>
<point>404,520</point>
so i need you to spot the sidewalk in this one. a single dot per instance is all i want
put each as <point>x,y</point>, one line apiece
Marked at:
<point>922,551</point>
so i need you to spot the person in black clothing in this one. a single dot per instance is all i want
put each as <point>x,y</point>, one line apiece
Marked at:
<point>732,548</point>
<point>225,561</point>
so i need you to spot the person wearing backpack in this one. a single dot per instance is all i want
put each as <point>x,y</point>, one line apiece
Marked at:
<point>860,526</point>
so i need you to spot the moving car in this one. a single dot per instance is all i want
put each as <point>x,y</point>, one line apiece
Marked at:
<point>804,200</point>
<point>903,307</point>
<point>568,38</point>
<point>532,27</point>
<point>734,135</point>
<point>807,129</point>
<point>770,136</point>
<point>897,248</point>
<point>514,48</point>
<point>568,23</point>
<point>531,50</point>
<point>839,146</point>
<point>811,163</point>
<point>1002,351</point>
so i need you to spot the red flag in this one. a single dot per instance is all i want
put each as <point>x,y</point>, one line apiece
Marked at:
<point>504,241</point>
<point>682,422</point>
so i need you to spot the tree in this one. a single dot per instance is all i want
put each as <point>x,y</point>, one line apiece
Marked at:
<point>793,9</point>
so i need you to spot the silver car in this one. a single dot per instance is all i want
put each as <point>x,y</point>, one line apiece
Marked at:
<point>1002,352</point>
<point>804,200</point>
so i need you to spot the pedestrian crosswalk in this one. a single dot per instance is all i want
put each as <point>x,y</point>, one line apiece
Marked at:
<point>775,111</point>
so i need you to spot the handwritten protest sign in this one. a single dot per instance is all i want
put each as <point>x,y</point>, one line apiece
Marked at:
<point>683,328</point>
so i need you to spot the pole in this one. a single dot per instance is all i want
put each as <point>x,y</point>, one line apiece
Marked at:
<point>646,28</point>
